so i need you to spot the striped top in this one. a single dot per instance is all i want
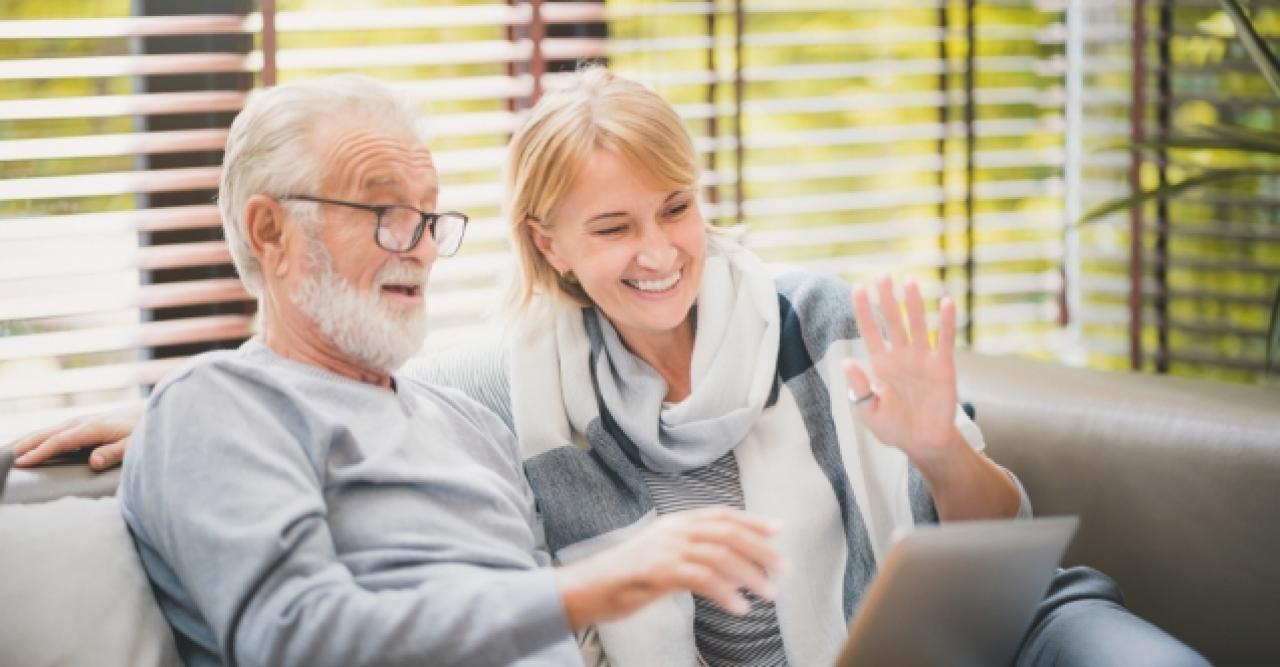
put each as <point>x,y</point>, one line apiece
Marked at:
<point>723,639</point>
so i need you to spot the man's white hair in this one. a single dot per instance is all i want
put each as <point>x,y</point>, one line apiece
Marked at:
<point>273,142</point>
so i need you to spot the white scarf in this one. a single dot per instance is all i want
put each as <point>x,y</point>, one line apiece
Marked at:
<point>735,362</point>
<point>734,365</point>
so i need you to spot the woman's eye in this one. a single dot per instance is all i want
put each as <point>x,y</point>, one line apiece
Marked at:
<point>678,209</point>
<point>609,231</point>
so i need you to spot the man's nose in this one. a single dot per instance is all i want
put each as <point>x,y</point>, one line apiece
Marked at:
<point>426,251</point>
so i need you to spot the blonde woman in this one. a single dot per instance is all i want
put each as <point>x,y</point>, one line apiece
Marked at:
<point>654,367</point>
<point>662,368</point>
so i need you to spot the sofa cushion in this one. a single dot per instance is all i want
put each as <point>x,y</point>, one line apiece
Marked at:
<point>73,591</point>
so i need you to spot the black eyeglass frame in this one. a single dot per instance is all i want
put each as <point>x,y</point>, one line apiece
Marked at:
<point>379,210</point>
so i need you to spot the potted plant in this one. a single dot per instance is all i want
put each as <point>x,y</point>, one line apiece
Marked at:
<point>1222,138</point>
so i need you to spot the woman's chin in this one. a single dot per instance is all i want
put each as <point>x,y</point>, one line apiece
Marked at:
<point>653,320</point>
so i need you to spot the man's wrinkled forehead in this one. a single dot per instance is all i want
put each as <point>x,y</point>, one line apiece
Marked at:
<point>363,161</point>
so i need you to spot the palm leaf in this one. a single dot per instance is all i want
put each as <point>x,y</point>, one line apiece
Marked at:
<point>1192,142</point>
<point>1258,50</point>
<point>1273,334</point>
<point>1170,189</point>
<point>1244,134</point>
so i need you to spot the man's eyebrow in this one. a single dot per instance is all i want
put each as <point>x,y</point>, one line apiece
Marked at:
<point>381,180</point>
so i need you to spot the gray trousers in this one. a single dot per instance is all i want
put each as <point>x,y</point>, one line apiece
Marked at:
<point>1082,622</point>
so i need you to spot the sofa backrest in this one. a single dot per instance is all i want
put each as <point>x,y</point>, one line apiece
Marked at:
<point>1177,484</point>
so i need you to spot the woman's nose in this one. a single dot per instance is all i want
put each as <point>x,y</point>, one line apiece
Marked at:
<point>656,251</point>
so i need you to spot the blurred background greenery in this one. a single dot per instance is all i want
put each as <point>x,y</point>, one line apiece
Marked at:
<point>951,142</point>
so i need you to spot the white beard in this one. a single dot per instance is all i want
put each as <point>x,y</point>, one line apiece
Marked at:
<point>356,322</point>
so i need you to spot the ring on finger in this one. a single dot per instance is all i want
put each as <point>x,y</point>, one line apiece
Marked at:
<point>859,400</point>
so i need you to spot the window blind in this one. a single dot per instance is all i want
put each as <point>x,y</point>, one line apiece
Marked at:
<point>948,141</point>
<point>1190,291</point>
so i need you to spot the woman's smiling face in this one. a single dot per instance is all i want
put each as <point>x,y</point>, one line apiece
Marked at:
<point>636,248</point>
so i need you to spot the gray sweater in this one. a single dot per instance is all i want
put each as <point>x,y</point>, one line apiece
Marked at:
<point>289,516</point>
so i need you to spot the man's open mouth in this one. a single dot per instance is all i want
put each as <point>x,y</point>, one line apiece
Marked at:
<point>403,289</point>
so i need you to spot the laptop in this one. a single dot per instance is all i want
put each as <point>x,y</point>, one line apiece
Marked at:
<point>957,594</point>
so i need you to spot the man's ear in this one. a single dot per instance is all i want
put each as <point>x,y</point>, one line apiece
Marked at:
<point>543,241</point>
<point>267,230</point>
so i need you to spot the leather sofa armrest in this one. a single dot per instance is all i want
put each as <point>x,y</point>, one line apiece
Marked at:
<point>6,462</point>
<point>45,483</point>
<point>1176,482</point>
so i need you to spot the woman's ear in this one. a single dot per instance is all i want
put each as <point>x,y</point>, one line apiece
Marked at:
<point>265,228</point>
<point>543,240</point>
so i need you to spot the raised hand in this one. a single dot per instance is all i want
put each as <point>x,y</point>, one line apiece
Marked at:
<point>909,389</point>
<point>107,432</point>
<point>712,552</point>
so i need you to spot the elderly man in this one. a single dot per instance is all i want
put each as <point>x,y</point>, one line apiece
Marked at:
<point>297,502</point>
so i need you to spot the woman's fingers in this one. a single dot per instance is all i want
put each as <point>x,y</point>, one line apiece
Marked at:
<point>947,325</point>
<point>891,312</point>
<point>868,329</point>
<point>860,391</point>
<point>915,316</point>
<point>914,333</point>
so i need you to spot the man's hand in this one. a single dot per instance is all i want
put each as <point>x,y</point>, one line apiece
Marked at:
<point>107,432</point>
<point>710,552</point>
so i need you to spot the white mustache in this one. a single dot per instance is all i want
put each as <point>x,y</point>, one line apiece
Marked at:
<point>401,274</point>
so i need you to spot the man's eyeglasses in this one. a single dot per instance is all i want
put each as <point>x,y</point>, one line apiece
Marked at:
<point>398,228</point>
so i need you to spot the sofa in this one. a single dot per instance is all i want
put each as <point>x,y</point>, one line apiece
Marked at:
<point>1176,483</point>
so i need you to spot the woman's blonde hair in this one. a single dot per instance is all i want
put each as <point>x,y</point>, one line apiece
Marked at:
<point>599,111</point>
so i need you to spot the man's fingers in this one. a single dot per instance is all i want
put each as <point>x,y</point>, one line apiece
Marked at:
<point>33,439</point>
<point>915,316</point>
<point>746,535</point>
<point>747,545</point>
<point>109,455</point>
<point>891,312</point>
<point>707,582</point>
<point>721,550</point>
<point>53,442</point>
<point>868,329</point>
<point>759,525</point>
<point>733,567</point>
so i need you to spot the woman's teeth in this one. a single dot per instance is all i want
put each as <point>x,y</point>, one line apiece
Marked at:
<point>660,285</point>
